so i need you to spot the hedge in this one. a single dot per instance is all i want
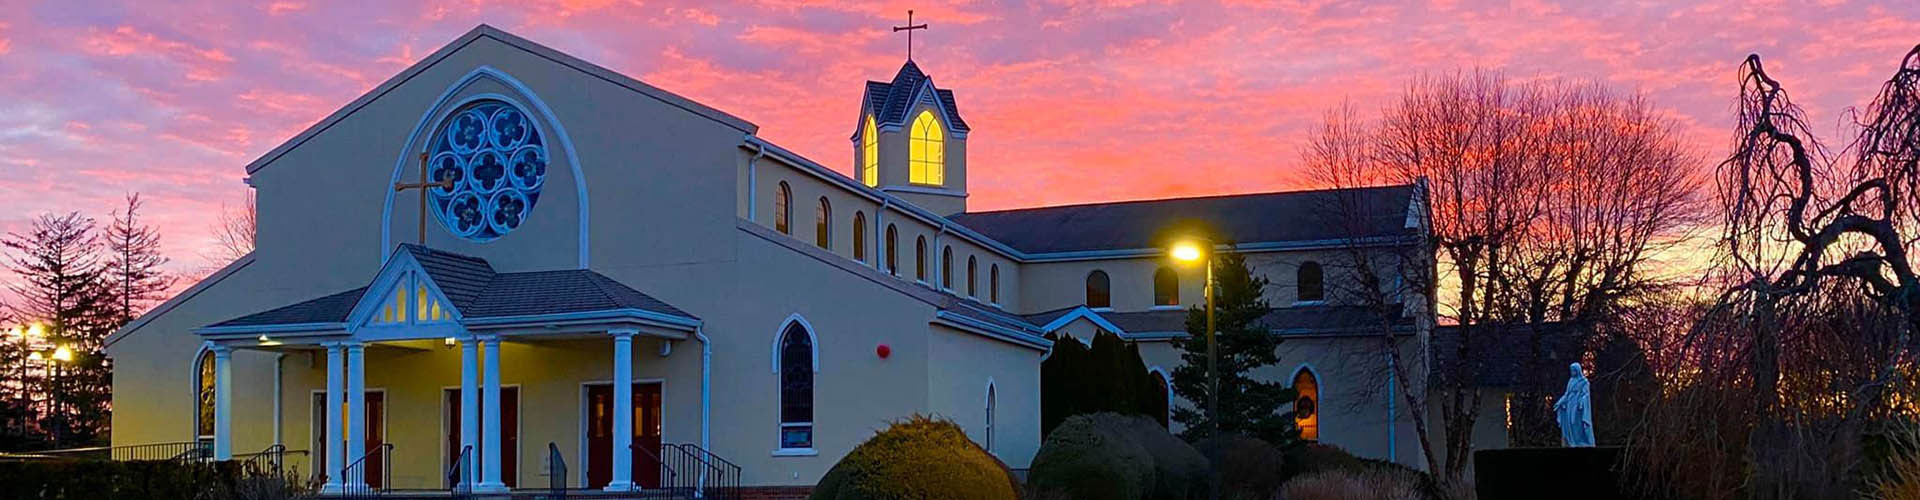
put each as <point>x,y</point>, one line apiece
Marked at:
<point>97,479</point>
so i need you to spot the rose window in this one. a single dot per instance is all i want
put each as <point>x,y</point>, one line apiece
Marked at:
<point>496,161</point>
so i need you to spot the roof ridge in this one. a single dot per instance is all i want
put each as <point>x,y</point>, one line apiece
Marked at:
<point>595,278</point>
<point>1186,198</point>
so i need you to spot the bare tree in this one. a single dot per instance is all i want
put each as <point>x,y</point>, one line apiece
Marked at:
<point>133,261</point>
<point>233,233</point>
<point>1813,336</point>
<point>1547,201</point>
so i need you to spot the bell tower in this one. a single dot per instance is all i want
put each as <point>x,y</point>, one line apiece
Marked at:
<point>910,140</point>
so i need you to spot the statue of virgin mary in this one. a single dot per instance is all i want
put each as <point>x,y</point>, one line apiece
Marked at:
<point>1576,411</point>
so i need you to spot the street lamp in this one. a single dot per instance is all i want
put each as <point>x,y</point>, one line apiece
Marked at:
<point>1200,250</point>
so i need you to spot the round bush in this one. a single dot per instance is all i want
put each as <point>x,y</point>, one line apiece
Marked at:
<point>1249,468</point>
<point>1180,471</point>
<point>919,459</point>
<point>1092,457</point>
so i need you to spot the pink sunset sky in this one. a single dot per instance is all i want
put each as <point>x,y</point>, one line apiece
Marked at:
<point>1070,101</point>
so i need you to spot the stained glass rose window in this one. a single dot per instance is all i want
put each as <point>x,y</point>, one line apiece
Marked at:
<point>496,160</point>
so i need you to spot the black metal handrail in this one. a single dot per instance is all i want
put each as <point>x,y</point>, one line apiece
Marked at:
<point>460,474</point>
<point>272,460</point>
<point>556,473</point>
<point>354,476</point>
<point>669,478</point>
<point>150,451</point>
<point>707,475</point>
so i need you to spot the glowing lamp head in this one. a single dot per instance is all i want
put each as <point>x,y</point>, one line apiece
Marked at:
<point>1187,251</point>
<point>63,354</point>
<point>36,331</point>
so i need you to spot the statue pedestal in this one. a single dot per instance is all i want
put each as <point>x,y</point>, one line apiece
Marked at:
<point>1590,472</point>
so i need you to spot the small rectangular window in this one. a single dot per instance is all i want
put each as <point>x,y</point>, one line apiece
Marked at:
<point>796,436</point>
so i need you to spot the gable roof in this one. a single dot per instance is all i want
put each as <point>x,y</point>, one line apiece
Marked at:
<point>890,101</point>
<point>478,292</point>
<point>511,40</point>
<point>1246,218</point>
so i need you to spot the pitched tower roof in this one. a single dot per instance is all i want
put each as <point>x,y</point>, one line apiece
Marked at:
<point>890,101</point>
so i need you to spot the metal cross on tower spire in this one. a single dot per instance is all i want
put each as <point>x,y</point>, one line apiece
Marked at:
<point>909,29</point>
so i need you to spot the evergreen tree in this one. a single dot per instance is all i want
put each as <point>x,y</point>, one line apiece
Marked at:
<point>62,283</point>
<point>1109,376</point>
<point>133,267</point>
<point>1249,406</point>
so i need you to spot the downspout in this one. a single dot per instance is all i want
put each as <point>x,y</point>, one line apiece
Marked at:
<point>753,196</point>
<point>706,393</point>
<point>279,375</point>
<point>1393,442</point>
<point>706,386</point>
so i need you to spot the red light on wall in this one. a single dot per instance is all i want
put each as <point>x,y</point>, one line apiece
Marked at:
<point>883,351</point>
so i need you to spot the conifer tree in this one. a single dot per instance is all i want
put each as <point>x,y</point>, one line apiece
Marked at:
<point>133,266</point>
<point>1262,409</point>
<point>61,282</point>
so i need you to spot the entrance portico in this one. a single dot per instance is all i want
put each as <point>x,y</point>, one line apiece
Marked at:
<point>424,298</point>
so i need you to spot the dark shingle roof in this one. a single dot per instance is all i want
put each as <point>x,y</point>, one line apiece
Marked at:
<point>1505,353</point>
<point>559,292</point>
<point>328,309</point>
<point>1302,320</point>
<point>461,277</point>
<point>890,101</point>
<point>477,291</point>
<point>1248,218</point>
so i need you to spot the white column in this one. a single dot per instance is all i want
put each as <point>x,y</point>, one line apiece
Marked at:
<point>622,410</point>
<point>336,379</point>
<point>356,433</point>
<point>222,403</point>
<point>470,407</point>
<point>490,424</point>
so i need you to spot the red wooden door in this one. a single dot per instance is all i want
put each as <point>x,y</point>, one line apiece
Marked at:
<point>646,435</point>
<point>509,434</point>
<point>376,436</point>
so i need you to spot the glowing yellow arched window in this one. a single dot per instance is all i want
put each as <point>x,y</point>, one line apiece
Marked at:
<point>927,150</point>
<point>870,154</point>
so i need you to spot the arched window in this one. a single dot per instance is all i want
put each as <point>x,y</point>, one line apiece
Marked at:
<point>203,395</point>
<point>823,224</point>
<point>893,251</point>
<point>973,271</point>
<point>796,387</point>
<point>927,151</point>
<point>1311,282</point>
<point>870,154</point>
<point>1306,409</point>
<point>920,259</point>
<point>988,445</point>
<point>993,284</point>
<point>946,267</point>
<point>782,201</point>
<point>860,236</point>
<point>1166,287</point>
<point>1099,289</point>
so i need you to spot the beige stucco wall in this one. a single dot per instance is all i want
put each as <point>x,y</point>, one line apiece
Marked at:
<point>1353,401</point>
<point>958,371</point>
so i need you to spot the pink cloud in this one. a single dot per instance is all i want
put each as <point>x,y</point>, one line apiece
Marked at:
<point>1157,98</point>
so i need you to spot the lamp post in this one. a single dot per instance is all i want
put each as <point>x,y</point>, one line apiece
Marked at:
<point>1201,251</point>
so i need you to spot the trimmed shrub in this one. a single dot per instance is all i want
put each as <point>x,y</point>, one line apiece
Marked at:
<point>93,479</point>
<point>1249,468</point>
<point>920,459</point>
<point>1114,456</point>
<point>1092,457</point>
<point>1180,472</point>
<point>1367,483</point>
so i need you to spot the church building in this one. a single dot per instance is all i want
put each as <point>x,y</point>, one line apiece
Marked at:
<point>490,267</point>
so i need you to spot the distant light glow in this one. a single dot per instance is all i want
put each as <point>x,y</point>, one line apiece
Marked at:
<point>1187,252</point>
